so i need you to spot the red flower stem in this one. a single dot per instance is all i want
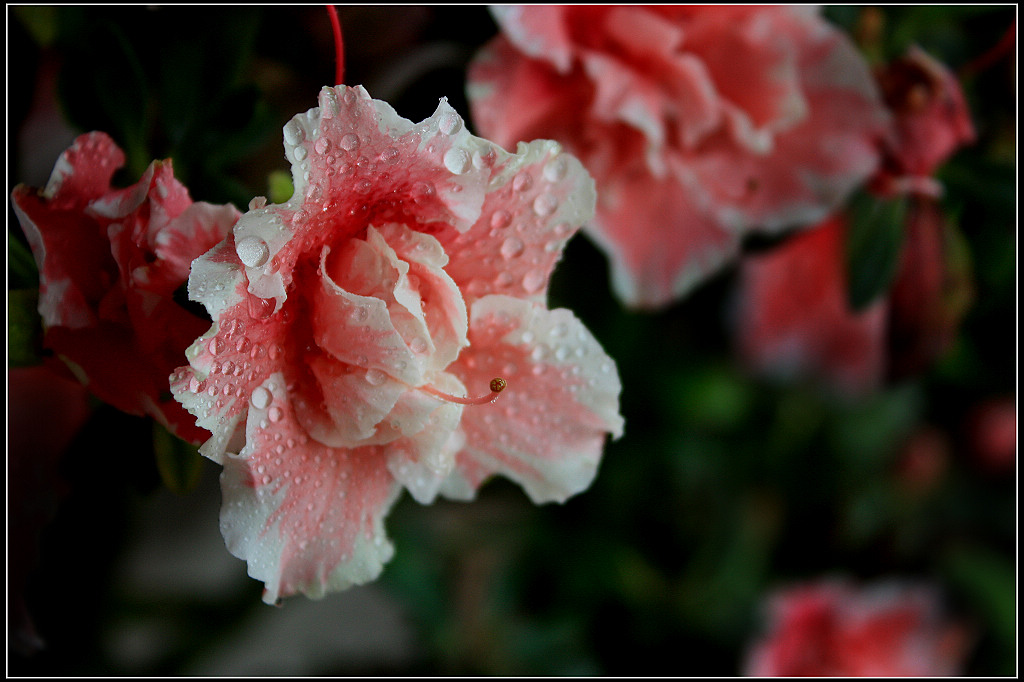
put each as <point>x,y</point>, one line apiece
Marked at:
<point>1004,48</point>
<point>339,47</point>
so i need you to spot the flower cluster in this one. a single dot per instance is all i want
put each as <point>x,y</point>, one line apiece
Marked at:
<point>794,317</point>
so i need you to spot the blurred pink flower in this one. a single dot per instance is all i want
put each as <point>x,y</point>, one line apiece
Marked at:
<point>930,121</point>
<point>109,263</point>
<point>992,433</point>
<point>409,267</point>
<point>832,628</point>
<point>699,124</point>
<point>793,319</point>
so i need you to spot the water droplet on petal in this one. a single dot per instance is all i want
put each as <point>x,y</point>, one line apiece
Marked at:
<point>300,153</point>
<point>375,377</point>
<point>533,281</point>
<point>260,308</point>
<point>556,169</point>
<point>522,182</point>
<point>252,251</point>
<point>545,204</point>
<point>215,346</point>
<point>500,219</point>
<point>450,123</point>
<point>422,190</point>
<point>260,398</point>
<point>321,146</point>
<point>350,142</point>
<point>275,414</point>
<point>511,247</point>
<point>389,155</point>
<point>457,160</point>
<point>293,133</point>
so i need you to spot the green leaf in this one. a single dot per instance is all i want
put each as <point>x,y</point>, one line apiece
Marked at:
<point>22,272</point>
<point>102,86</point>
<point>24,328</point>
<point>872,246</point>
<point>988,581</point>
<point>280,187</point>
<point>179,463</point>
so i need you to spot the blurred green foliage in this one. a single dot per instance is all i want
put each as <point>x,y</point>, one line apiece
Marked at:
<point>724,485</point>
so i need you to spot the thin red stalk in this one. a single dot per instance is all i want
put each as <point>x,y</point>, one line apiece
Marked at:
<point>339,47</point>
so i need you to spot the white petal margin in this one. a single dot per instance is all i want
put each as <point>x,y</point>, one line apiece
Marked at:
<point>306,518</point>
<point>547,430</point>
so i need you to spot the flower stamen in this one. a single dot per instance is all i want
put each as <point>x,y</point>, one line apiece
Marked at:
<point>497,386</point>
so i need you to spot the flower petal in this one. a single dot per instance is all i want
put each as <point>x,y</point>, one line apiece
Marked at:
<point>307,518</point>
<point>547,428</point>
<point>537,199</point>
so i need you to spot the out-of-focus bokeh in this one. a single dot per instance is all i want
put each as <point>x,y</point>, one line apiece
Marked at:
<point>727,486</point>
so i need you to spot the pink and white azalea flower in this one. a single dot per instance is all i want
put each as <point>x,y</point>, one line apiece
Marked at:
<point>833,628</point>
<point>409,269</point>
<point>699,124</point>
<point>109,263</point>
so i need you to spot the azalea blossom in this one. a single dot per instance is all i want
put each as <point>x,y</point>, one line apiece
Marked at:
<point>833,628</point>
<point>793,318</point>
<point>110,261</point>
<point>364,329</point>
<point>699,124</point>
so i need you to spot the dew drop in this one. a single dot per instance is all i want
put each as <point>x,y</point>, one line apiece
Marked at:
<point>260,398</point>
<point>457,160</point>
<point>293,133</point>
<point>418,345</point>
<point>533,281</point>
<point>242,345</point>
<point>375,377</point>
<point>500,219</point>
<point>545,204</point>
<point>252,251</point>
<point>216,345</point>
<point>275,414</point>
<point>511,247</point>
<point>422,190</point>
<point>194,385</point>
<point>300,153</point>
<point>556,169</point>
<point>321,146</point>
<point>450,123</point>
<point>389,155</point>
<point>350,141</point>
<point>260,308</point>
<point>274,352</point>
<point>522,182</point>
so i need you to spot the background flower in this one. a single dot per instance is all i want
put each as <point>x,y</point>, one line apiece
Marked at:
<point>834,629</point>
<point>699,125</point>
<point>110,261</point>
